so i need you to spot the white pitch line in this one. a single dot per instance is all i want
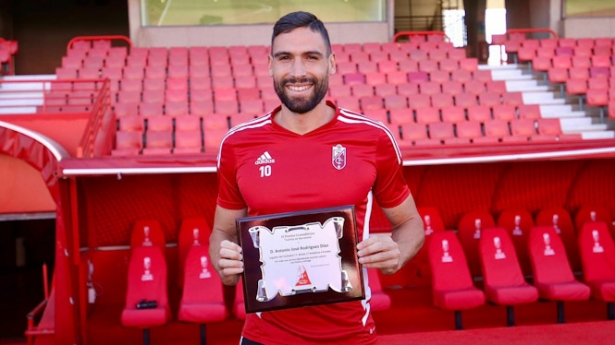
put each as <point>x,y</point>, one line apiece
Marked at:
<point>164,13</point>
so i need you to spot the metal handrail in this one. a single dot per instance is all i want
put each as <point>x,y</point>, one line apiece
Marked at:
<point>99,38</point>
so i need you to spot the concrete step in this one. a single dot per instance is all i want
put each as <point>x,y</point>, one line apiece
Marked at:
<point>581,124</point>
<point>541,97</point>
<point>598,135</point>
<point>525,85</point>
<point>510,75</point>
<point>20,102</point>
<point>29,77</point>
<point>560,110</point>
<point>25,86</point>
<point>21,95</point>
<point>18,110</point>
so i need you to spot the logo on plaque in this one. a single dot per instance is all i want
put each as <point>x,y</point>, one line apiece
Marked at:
<point>338,157</point>
<point>303,277</point>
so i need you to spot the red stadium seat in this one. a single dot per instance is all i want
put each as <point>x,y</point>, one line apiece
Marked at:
<point>449,65</point>
<point>529,111</point>
<point>418,77</point>
<point>504,281</point>
<point>504,112</point>
<point>593,213</point>
<point>462,76</point>
<point>377,114</point>
<point>419,101</point>
<point>452,87</point>
<point>430,88</point>
<point>552,274</point>
<point>561,221</point>
<point>375,78</point>
<point>524,128</point>
<point>497,128</point>
<point>362,90</point>
<point>131,123</point>
<point>397,77</point>
<point>401,116</point>
<point>158,142</point>
<point>187,123</point>
<point>413,132</point>
<point>387,66</point>
<point>469,129</point>
<point>126,109</point>
<point>512,98</point>
<point>490,98</point>
<point>452,284</point>
<point>407,89</point>
<point>395,101</point>
<point>384,90</point>
<point>441,130</point>
<point>371,102</point>
<point>428,66</point>
<point>203,297</point>
<point>482,75</point>
<point>480,113</point>
<point>549,126</point>
<point>453,114</point>
<point>465,100</point>
<point>147,285</point>
<point>474,87</point>
<point>354,78</point>
<point>127,143</point>
<point>468,64</point>
<point>518,223</point>
<point>159,123</point>
<point>188,141</point>
<point>427,115</point>
<point>439,76</point>
<point>598,257</point>
<point>151,109</point>
<point>442,100</point>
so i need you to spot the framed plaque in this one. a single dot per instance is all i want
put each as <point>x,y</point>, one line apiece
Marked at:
<point>300,259</point>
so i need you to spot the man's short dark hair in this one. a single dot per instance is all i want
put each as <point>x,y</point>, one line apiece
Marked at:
<point>301,19</point>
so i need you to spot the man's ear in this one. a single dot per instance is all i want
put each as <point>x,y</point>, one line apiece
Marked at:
<point>332,66</point>
<point>270,61</point>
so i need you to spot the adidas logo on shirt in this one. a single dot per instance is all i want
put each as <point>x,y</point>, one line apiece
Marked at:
<point>265,158</point>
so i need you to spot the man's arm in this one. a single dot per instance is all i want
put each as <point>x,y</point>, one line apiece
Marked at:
<point>390,253</point>
<point>224,251</point>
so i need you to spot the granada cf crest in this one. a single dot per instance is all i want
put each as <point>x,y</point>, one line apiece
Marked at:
<point>338,158</point>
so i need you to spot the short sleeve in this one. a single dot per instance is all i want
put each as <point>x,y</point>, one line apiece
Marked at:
<point>390,188</point>
<point>229,195</point>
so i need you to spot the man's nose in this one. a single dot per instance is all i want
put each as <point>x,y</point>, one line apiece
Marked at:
<point>298,69</point>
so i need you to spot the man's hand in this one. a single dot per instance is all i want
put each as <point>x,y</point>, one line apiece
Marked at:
<point>230,263</point>
<point>380,251</point>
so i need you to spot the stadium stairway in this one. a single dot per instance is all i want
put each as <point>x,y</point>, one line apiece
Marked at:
<point>23,94</point>
<point>586,122</point>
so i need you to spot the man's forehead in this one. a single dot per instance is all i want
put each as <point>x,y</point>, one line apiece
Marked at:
<point>302,39</point>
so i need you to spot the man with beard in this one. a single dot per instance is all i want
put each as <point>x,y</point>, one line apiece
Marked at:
<point>308,154</point>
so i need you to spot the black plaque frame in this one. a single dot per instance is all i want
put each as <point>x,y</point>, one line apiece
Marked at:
<point>252,263</point>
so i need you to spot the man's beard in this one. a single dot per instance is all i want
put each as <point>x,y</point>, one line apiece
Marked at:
<point>302,106</point>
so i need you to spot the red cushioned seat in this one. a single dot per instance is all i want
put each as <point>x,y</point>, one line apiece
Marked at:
<point>147,280</point>
<point>593,213</point>
<point>202,298</point>
<point>560,220</point>
<point>504,282</point>
<point>518,223</point>
<point>552,274</point>
<point>469,230</point>
<point>379,300</point>
<point>452,284</point>
<point>598,258</point>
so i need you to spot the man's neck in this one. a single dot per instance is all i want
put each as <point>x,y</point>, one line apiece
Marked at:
<point>304,123</point>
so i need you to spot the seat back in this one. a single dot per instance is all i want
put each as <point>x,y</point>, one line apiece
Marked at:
<point>592,213</point>
<point>202,285</point>
<point>561,221</point>
<point>518,223</point>
<point>448,263</point>
<point>470,229</point>
<point>548,256</point>
<point>193,231</point>
<point>597,252</point>
<point>146,233</point>
<point>147,277</point>
<point>498,258</point>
